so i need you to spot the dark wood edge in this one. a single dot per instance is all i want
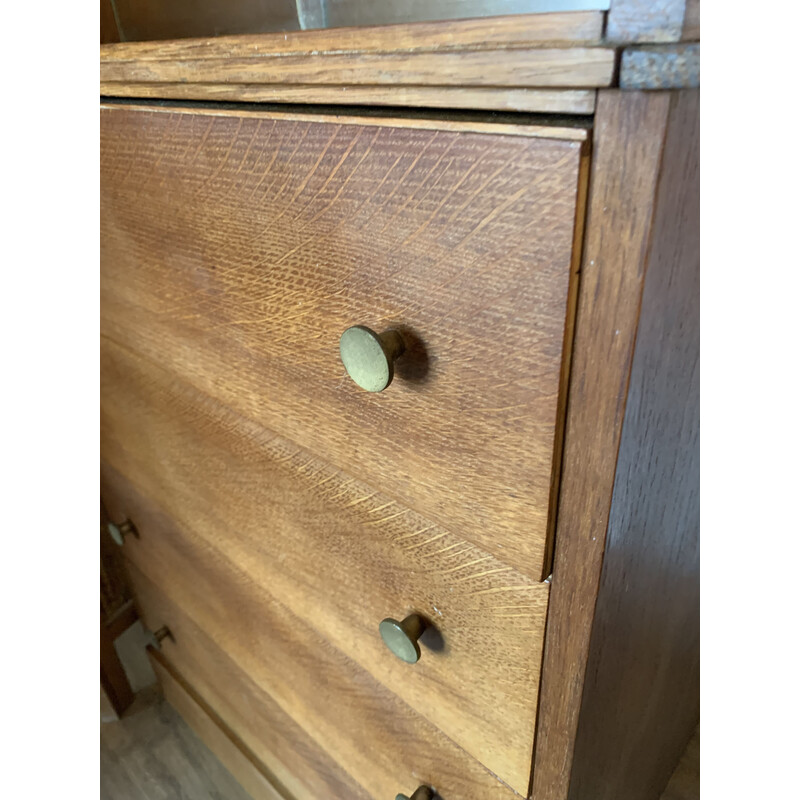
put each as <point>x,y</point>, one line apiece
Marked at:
<point>628,140</point>
<point>641,700</point>
<point>113,679</point>
<point>566,361</point>
<point>121,620</point>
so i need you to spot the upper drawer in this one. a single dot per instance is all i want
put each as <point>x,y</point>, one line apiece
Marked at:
<point>238,246</point>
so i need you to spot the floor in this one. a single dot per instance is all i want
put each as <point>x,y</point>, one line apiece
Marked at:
<point>152,754</point>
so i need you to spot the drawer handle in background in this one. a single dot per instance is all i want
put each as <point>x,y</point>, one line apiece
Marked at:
<point>402,637</point>
<point>423,793</point>
<point>119,532</point>
<point>369,357</point>
<point>158,636</point>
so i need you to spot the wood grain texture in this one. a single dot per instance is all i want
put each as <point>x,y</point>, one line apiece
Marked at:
<point>492,34</point>
<point>551,101</point>
<point>236,250</point>
<point>573,68</point>
<point>641,701</point>
<point>218,737</point>
<point>151,754</point>
<point>673,66</point>
<point>645,20</point>
<point>230,634</point>
<point>691,22</point>
<point>537,126</point>
<point>281,746</point>
<point>339,554</point>
<point>629,131</point>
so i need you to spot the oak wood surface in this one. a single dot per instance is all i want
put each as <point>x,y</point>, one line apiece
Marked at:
<point>573,68</point>
<point>529,125</point>
<point>236,250</point>
<point>641,701</point>
<point>493,34</point>
<point>223,742</point>
<point>561,101</point>
<point>280,745</point>
<point>339,554</point>
<point>629,131</point>
<point>231,635</point>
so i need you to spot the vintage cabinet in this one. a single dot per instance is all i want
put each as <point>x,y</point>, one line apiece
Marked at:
<point>479,578</point>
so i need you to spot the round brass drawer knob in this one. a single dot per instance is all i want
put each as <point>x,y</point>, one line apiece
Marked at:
<point>119,532</point>
<point>369,357</point>
<point>401,637</point>
<point>423,793</point>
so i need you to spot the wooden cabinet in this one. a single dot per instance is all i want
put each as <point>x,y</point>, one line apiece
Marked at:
<point>282,512</point>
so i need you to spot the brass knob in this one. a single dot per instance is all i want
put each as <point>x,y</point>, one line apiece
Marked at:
<point>158,636</point>
<point>369,357</point>
<point>423,793</point>
<point>119,532</point>
<point>401,637</point>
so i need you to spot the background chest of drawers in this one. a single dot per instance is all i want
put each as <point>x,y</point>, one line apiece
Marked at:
<point>523,488</point>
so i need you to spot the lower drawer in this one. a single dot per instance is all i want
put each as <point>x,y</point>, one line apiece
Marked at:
<point>341,555</point>
<point>241,763</point>
<point>254,662</point>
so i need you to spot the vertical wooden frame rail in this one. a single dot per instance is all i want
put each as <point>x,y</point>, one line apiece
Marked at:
<point>640,139</point>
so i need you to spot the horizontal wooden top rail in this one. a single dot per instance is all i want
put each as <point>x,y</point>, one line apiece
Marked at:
<point>493,33</point>
<point>536,51</point>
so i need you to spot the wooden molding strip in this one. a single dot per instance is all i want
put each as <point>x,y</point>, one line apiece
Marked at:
<point>486,33</point>
<point>548,101</point>
<point>576,68</point>
<point>672,66</point>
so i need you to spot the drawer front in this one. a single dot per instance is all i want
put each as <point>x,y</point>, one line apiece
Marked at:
<point>236,248</point>
<point>336,552</point>
<point>258,782</point>
<point>246,652</point>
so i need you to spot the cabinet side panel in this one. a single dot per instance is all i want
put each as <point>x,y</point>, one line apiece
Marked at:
<point>628,138</point>
<point>641,696</point>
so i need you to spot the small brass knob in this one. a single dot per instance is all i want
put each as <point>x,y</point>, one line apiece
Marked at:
<point>369,357</point>
<point>423,793</point>
<point>401,637</point>
<point>119,532</point>
<point>159,635</point>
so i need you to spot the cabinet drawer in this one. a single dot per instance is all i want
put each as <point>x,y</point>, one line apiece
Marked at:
<point>338,554</point>
<point>247,653</point>
<point>238,246</point>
